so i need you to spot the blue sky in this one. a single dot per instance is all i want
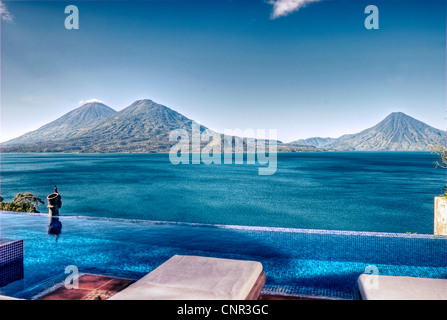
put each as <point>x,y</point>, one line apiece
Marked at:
<point>316,71</point>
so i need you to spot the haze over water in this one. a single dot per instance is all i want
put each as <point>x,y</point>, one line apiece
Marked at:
<point>359,191</point>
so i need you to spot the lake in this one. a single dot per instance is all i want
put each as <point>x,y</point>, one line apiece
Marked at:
<point>357,191</point>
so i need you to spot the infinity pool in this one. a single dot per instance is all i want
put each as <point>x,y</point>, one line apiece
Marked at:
<point>297,261</point>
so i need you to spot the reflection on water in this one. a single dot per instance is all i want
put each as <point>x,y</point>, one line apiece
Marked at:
<point>54,204</point>
<point>55,226</point>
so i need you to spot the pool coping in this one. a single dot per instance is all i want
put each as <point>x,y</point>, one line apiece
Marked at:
<point>240,227</point>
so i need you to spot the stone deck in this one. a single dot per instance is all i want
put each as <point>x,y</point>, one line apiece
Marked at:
<point>91,287</point>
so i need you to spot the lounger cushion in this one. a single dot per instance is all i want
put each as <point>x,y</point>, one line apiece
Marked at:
<point>195,278</point>
<point>8,298</point>
<point>402,288</point>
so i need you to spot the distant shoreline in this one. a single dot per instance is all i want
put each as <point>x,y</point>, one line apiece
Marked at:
<point>281,152</point>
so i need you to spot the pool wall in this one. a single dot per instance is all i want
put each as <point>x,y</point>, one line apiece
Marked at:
<point>11,261</point>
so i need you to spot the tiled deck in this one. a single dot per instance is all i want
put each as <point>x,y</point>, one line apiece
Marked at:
<point>99,287</point>
<point>91,287</point>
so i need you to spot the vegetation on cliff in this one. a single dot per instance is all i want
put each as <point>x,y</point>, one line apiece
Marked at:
<point>441,151</point>
<point>22,202</point>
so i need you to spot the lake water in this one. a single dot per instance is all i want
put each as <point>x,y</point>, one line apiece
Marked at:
<point>358,191</point>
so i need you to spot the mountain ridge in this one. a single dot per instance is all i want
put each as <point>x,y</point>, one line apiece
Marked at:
<point>145,126</point>
<point>70,124</point>
<point>397,132</point>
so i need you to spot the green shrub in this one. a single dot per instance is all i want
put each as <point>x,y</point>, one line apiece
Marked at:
<point>441,151</point>
<point>22,202</point>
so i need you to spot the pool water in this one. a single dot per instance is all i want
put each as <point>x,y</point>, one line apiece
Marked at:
<point>297,261</point>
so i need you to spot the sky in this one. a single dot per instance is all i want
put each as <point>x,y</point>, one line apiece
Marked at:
<point>306,68</point>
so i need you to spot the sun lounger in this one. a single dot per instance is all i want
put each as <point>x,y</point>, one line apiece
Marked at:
<point>401,288</point>
<point>8,298</point>
<point>198,278</point>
